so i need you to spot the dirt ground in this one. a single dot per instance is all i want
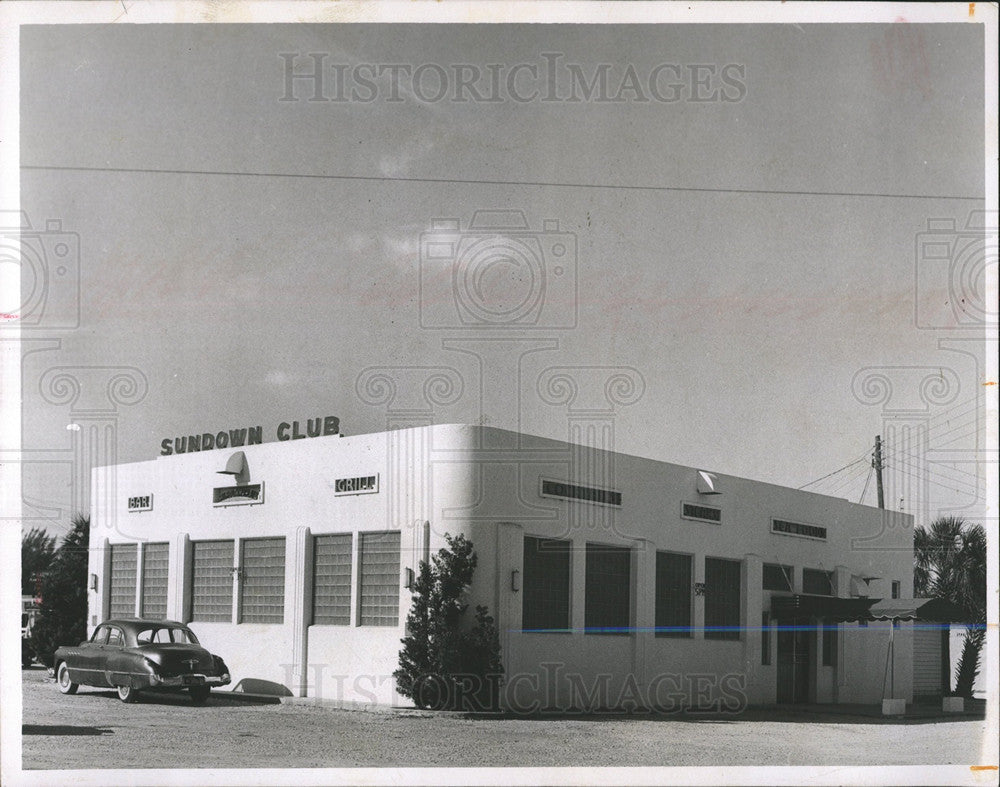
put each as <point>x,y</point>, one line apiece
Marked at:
<point>93,729</point>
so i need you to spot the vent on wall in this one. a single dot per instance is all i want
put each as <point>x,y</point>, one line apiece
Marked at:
<point>588,494</point>
<point>701,513</point>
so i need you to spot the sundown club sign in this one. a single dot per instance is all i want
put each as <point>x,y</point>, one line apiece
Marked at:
<point>252,435</point>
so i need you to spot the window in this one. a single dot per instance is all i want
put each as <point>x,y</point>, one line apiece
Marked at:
<point>701,512</point>
<point>829,644</point>
<point>606,599</point>
<point>895,588</point>
<point>546,586</point>
<point>765,638</point>
<point>154,580</point>
<point>100,636</point>
<point>332,580</point>
<point>212,581</point>
<point>798,529</point>
<point>115,637</point>
<point>777,577</point>
<point>817,582</point>
<point>722,598</point>
<point>379,569</point>
<point>588,494</point>
<point>262,580</point>
<point>123,577</point>
<point>673,595</point>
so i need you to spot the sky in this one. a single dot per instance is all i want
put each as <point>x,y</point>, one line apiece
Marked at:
<point>744,248</point>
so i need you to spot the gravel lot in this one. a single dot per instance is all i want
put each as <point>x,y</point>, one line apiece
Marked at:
<point>93,729</point>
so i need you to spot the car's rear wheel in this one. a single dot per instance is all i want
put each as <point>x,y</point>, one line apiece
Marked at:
<point>66,686</point>
<point>127,694</point>
<point>199,694</point>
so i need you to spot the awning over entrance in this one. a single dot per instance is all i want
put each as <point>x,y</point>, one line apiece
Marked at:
<point>802,605</point>
<point>931,609</point>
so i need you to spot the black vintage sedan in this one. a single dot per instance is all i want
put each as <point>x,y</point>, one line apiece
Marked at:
<point>137,654</point>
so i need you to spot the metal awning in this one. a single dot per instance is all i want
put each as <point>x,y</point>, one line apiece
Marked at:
<point>858,609</point>
<point>931,609</point>
<point>830,607</point>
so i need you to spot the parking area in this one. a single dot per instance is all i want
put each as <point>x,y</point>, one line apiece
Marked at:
<point>93,729</point>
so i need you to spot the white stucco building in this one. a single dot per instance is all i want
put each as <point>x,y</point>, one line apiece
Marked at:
<point>614,580</point>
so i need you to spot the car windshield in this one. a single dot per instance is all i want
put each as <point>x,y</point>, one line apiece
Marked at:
<point>162,634</point>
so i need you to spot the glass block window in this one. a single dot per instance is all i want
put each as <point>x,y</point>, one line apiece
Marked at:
<point>722,598</point>
<point>546,587</point>
<point>673,595</point>
<point>124,566</point>
<point>777,577</point>
<point>817,582</point>
<point>379,570</point>
<point>212,581</point>
<point>154,580</point>
<point>262,580</point>
<point>606,597</point>
<point>332,580</point>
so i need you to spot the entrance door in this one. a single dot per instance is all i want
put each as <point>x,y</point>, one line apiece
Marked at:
<point>796,640</point>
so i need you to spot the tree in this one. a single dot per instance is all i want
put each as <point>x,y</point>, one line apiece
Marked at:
<point>446,663</point>
<point>62,618</point>
<point>37,550</point>
<point>950,563</point>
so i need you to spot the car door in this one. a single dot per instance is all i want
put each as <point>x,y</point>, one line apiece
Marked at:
<point>114,658</point>
<point>86,664</point>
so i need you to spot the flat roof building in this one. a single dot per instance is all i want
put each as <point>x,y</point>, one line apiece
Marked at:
<point>615,581</point>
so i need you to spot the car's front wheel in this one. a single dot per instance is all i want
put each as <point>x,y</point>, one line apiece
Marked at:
<point>127,694</point>
<point>199,694</point>
<point>66,686</point>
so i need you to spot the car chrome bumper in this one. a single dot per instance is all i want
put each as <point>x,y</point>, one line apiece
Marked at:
<point>186,681</point>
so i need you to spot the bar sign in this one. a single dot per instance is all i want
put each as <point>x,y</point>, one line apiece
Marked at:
<point>140,503</point>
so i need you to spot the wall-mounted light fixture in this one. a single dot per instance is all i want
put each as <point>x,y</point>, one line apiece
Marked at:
<point>515,580</point>
<point>408,579</point>
<point>93,582</point>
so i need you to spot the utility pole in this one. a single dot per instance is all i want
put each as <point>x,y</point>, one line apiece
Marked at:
<point>877,464</point>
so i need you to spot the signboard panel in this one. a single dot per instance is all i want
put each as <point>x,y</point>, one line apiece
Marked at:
<point>246,495</point>
<point>138,503</point>
<point>359,485</point>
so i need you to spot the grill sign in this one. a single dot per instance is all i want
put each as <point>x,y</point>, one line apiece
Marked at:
<point>238,495</point>
<point>361,485</point>
<point>140,503</point>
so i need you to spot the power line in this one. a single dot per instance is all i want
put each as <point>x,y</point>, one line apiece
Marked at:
<point>871,470</point>
<point>849,464</point>
<point>489,182</point>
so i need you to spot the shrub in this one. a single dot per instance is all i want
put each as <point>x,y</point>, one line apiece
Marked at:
<point>446,664</point>
<point>62,617</point>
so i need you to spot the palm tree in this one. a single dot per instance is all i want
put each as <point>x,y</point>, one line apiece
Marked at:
<point>950,563</point>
